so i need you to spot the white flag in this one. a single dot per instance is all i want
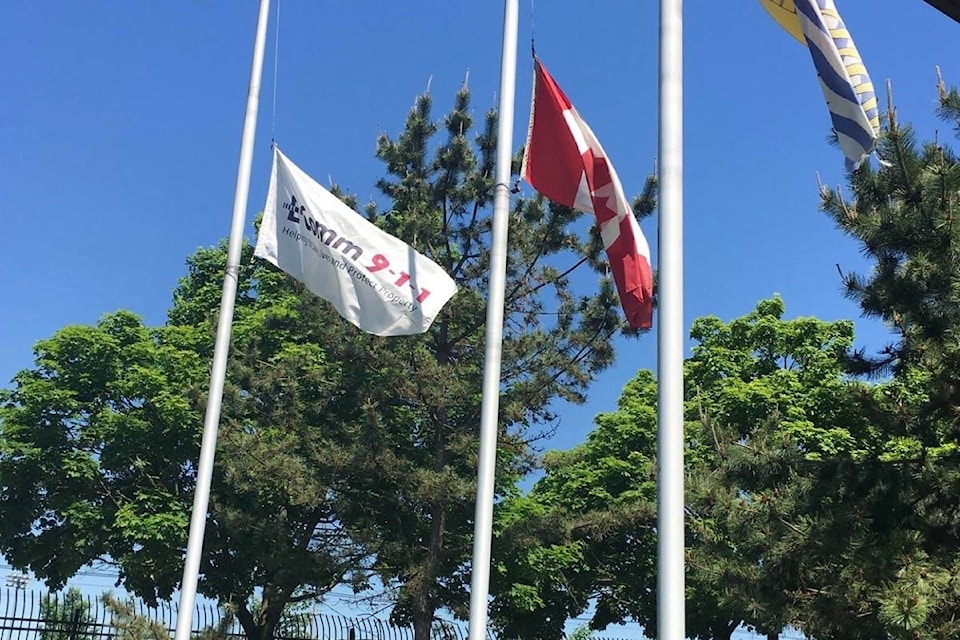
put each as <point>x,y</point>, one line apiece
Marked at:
<point>374,280</point>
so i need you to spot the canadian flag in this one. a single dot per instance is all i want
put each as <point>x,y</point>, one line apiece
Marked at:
<point>564,161</point>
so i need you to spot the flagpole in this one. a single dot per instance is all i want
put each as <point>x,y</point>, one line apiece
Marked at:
<point>211,424</point>
<point>489,411</point>
<point>670,510</point>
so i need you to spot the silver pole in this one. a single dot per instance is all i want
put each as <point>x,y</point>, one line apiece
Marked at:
<point>489,411</point>
<point>211,423</point>
<point>670,512</point>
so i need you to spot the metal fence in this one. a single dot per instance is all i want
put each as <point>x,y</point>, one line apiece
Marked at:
<point>34,615</point>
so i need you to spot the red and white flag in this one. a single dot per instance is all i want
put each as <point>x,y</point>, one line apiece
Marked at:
<point>564,161</point>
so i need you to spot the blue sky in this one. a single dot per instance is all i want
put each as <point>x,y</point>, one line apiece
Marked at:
<point>120,129</point>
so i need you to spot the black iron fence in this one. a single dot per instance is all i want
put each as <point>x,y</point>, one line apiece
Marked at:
<point>34,615</point>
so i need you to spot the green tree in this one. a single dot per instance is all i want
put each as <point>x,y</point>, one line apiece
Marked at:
<point>94,450</point>
<point>294,387</point>
<point>584,533</point>
<point>410,496</point>
<point>65,616</point>
<point>849,505</point>
<point>816,497</point>
<point>904,218</point>
<point>100,439</point>
<point>829,505</point>
<point>128,624</point>
<point>761,384</point>
<point>903,215</point>
<point>751,381</point>
<point>339,452</point>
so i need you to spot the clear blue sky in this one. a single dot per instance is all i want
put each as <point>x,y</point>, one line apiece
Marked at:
<point>120,128</point>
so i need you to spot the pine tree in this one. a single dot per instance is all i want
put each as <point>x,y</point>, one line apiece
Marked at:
<point>66,616</point>
<point>411,497</point>
<point>905,216</point>
<point>902,495</point>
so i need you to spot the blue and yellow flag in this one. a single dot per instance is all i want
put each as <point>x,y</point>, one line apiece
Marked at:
<point>843,78</point>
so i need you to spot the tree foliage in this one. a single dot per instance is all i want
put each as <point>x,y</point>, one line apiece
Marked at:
<point>412,491</point>
<point>903,215</point>
<point>821,479</point>
<point>100,442</point>
<point>340,455</point>
<point>65,617</point>
<point>758,374</point>
<point>584,532</point>
<point>129,625</point>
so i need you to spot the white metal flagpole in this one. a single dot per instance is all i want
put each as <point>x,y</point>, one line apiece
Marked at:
<point>211,423</point>
<point>670,507</point>
<point>490,407</point>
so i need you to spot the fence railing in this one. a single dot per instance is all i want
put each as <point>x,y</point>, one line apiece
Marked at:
<point>35,615</point>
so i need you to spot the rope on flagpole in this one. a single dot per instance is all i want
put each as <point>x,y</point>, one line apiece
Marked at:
<point>276,58</point>
<point>533,24</point>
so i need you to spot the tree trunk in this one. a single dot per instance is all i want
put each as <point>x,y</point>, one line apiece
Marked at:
<point>263,625</point>
<point>423,598</point>
<point>422,623</point>
<point>424,606</point>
